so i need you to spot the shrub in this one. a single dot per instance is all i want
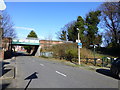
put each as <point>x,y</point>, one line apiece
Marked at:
<point>66,51</point>
<point>69,51</point>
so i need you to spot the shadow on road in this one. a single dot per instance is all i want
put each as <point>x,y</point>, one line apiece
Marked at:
<point>31,77</point>
<point>106,72</point>
<point>2,68</point>
<point>20,54</point>
<point>5,85</point>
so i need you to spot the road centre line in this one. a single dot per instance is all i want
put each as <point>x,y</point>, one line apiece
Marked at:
<point>61,73</point>
<point>42,64</point>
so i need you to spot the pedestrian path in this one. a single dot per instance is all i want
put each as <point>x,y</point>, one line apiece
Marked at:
<point>7,75</point>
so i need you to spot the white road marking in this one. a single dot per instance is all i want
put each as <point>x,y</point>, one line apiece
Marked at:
<point>42,64</point>
<point>61,73</point>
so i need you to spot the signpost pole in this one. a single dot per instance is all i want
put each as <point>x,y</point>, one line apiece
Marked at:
<point>94,52</point>
<point>78,48</point>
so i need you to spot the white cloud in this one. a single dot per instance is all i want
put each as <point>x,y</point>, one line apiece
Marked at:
<point>24,28</point>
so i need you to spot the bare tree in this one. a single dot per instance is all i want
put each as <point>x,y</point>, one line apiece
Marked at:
<point>7,25</point>
<point>49,38</point>
<point>110,20</point>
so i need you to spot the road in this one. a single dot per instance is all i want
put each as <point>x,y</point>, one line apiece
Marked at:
<point>33,72</point>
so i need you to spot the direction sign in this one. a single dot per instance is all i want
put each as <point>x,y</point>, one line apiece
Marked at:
<point>79,45</point>
<point>94,46</point>
<point>78,41</point>
<point>91,45</point>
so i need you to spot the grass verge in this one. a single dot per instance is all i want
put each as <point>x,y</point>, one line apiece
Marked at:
<point>68,63</point>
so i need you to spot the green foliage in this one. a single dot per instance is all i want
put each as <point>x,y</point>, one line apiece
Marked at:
<point>80,24</point>
<point>28,48</point>
<point>92,20</point>
<point>88,30</point>
<point>63,35</point>
<point>66,51</point>
<point>69,52</point>
<point>72,32</point>
<point>32,34</point>
<point>108,14</point>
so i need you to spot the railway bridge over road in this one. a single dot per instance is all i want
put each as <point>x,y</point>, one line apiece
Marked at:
<point>28,42</point>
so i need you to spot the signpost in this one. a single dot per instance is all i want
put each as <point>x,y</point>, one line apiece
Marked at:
<point>94,46</point>
<point>79,45</point>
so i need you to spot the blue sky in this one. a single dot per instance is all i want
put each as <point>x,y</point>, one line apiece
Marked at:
<point>46,18</point>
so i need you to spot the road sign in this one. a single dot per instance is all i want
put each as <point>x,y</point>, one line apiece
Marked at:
<point>79,45</point>
<point>91,45</point>
<point>78,41</point>
<point>94,46</point>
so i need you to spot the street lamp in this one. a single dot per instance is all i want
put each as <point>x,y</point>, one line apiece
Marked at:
<point>94,46</point>
<point>78,46</point>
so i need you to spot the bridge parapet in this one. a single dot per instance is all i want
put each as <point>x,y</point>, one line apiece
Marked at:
<point>27,41</point>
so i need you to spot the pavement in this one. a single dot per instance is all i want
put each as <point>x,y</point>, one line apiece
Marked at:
<point>7,71</point>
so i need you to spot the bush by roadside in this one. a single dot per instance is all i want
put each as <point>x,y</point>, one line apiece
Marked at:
<point>69,52</point>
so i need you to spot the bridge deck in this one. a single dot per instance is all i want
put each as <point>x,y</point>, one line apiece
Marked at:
<point>25,42</point>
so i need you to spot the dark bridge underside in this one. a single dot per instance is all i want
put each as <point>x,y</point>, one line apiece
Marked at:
<point>35,47</point>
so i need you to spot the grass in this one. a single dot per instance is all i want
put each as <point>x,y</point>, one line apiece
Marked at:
<point>68,63</point>
<point>85,53</point>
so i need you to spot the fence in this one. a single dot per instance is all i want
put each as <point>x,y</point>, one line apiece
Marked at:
<point>104,62</point>
<point>46,54</point>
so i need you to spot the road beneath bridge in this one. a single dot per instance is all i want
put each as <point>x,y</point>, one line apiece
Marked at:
<point>34,42</point>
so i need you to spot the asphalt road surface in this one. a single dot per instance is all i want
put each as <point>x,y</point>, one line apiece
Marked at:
<point>35,72</point>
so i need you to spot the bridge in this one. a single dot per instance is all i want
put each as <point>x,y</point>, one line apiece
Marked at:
<point>28,42</point>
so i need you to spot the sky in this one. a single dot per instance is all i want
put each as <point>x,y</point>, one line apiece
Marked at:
<point>46,18</point>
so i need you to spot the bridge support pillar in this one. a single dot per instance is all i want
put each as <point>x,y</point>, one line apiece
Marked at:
<point>38,51</point>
